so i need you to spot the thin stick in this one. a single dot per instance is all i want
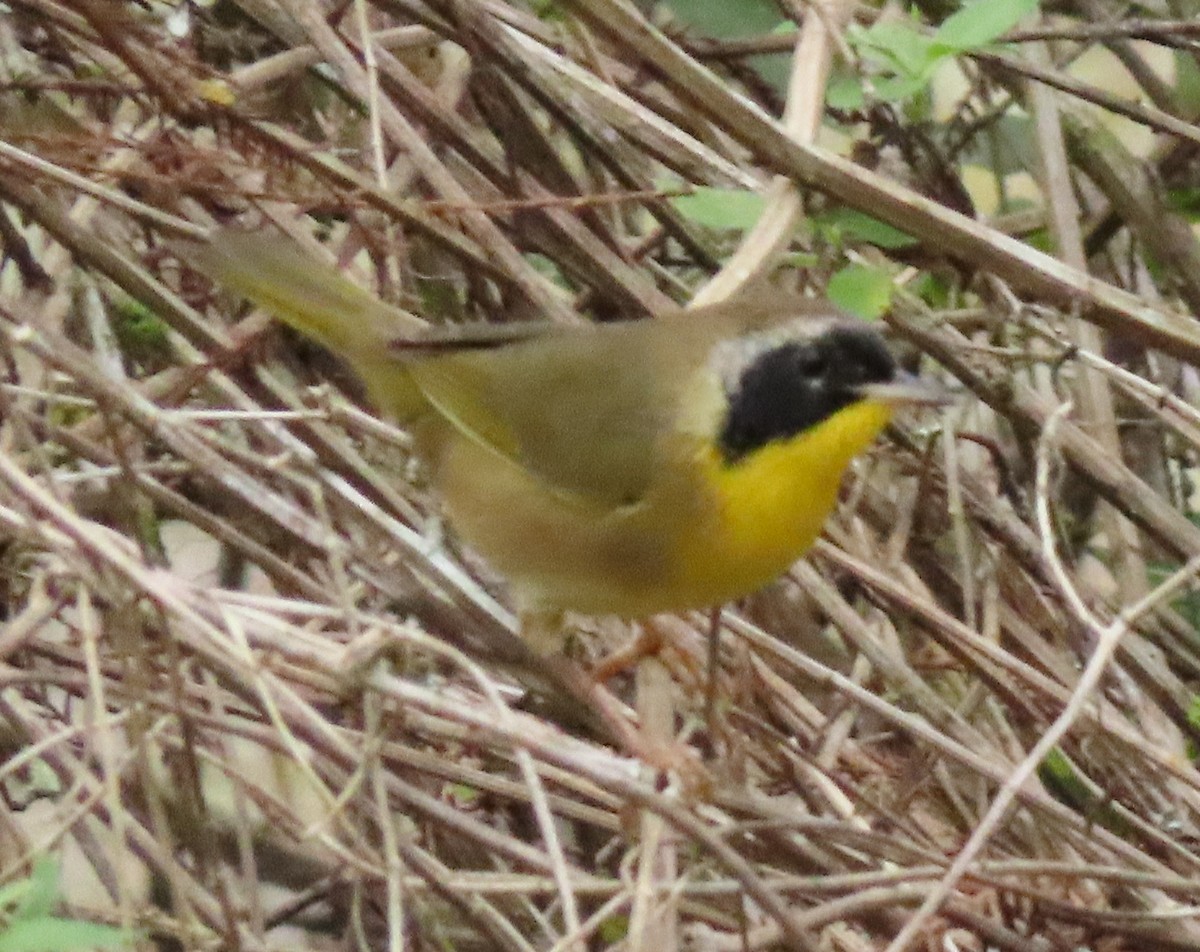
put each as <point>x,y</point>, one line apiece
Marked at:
<point>1107,638</point>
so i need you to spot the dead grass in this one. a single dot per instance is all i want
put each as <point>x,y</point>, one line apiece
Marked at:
<point>251,702</point>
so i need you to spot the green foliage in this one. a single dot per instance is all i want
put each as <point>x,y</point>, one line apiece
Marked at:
<point>844,90</point>
<point>1010,148</point>
<point>1193,712</point>
<point>861,290</point>
<point>731,19</point>
<point>1060,778</point>
<point>1193,719</point>
<point>140,325</point>
<point>614,929</point>
<point>1041,239</point>
<point>776,68</point>
<point>1065,785</point>
<point>1187,84</point>
<point>1185,201</point>
<point>903,59</point>
<point>141,334</point>
<point>721,208</point>
<point>738,209</point>
<point>1187,606</point>
<point>26,923</point>
<point>799,260</point>
<point>724,19</point>
<point>842,223</point>
<point>932,289</point>
<point>51,934</point>
<point>542,265</point>
<point>979,23</point>
<point>461,794</point>
<point>549,10</point>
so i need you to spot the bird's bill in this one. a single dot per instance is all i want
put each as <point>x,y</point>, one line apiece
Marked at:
<point>907,390</point>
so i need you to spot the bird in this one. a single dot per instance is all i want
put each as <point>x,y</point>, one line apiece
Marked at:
<point>626,468</point>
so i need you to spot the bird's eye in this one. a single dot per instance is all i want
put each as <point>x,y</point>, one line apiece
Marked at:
<point>812,365</point>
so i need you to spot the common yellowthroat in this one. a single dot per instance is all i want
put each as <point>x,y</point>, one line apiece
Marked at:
<point>626,469</point>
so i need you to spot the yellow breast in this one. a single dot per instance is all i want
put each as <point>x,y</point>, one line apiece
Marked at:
<point>770,506</point>
<point>707,535</point>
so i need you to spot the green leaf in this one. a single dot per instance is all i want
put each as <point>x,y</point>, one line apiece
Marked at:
<point>861,290</point>
<point>721,207</point>
<point>142,335</point>
<point>1187,605</point>
<point>1187,84</point>
<point>614,929</point>
<point>721,18</point>
<point>897,45</point>
<point>548,10</point>
<point>775,68</point>
<point>461,794</point>
<point>43,890</point>
<point>1065,785</point>
<point>544,266</point>
<point>1041,239</point>
<point>855,224</point>
<point>844,91</point>
<point>981,22</point>
<point>1193,719</point>
<point>904,59</point>
<point>61,935</point>
<point>142,325</point>
<point>799,259</point>
<point>932,289</point>
<point>1057,773</point>
<point>897,88</point>
<point>1193,711</point>
<point>1185,201</point>
<point>13,893</point>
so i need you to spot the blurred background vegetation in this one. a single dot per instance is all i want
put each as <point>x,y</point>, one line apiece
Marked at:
<point>252,696</point>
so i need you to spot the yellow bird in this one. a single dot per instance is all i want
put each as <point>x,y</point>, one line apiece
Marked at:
<point>625,469</point>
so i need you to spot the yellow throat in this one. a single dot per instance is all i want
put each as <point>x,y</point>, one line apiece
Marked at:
<point>770,505</point>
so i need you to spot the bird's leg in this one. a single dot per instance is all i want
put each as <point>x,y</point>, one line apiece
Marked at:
<point>646,643</point>
<point>714,669</point>
<point>543,632</point>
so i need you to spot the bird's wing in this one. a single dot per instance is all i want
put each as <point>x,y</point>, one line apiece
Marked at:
<point>601,414</point>
<point>589,412</point>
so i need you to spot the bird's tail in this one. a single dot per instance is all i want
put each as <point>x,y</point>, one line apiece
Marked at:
<point>276,274</point>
